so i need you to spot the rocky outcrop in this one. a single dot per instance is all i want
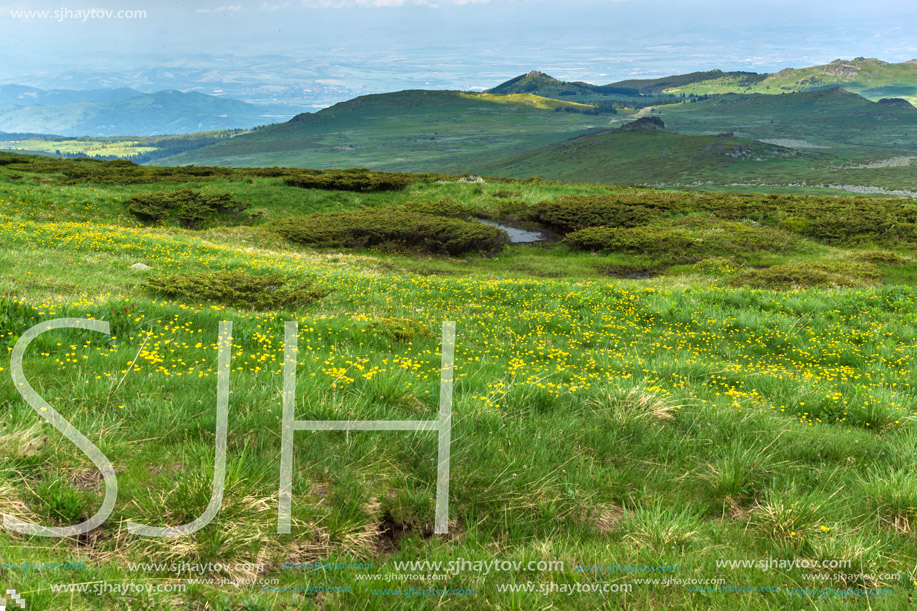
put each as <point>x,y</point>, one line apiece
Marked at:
<point>643,124</point>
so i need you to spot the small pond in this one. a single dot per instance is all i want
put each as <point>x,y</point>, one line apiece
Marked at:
<point>519,236</point>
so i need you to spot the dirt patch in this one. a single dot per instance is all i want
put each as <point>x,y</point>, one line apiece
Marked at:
<point>88,479</point>
<point>606,519</point>
<point>390,532</point>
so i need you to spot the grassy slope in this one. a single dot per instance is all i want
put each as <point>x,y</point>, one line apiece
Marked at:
<point>832,131</point>
<point>648,157</point>
<point>597,421</point>
<point>826,137</point>
<point>411,130</point>
<point>871,78</point>
<point>833,118</point>
<point>678,81</point>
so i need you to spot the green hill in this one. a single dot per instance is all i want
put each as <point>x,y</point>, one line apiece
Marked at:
<point>815,138</point>
<point>15,95</point>
<point>872,78</point>
<point>666,83</point>
<point>644,153</point>
<point>407,130</point>
<point>539,83</point>
<point>828,119</point>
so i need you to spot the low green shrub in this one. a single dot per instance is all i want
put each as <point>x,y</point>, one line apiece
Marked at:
<point>579,212</point>
<point>636,240</point>
<point>836,220</point>
<point>238,289</point>
<point>715,266</point>
<point>358,180</point>
<point>188,208</point>
<point>686,238</point>
<point>882,257</point>
<point>443,207</point>
<point>401,330</point>
<point>393,227</point>
<point>796,224</point>
<point>802,275</point>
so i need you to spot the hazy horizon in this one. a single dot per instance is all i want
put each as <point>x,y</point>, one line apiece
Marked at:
<point>340,48</point>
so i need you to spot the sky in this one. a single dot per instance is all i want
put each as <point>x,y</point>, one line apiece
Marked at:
<point>386,44</point>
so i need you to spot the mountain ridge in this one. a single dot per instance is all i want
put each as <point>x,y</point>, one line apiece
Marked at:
<point>144,114</point>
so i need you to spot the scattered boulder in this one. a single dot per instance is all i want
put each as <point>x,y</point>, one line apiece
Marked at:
<point>472,179</point>
<point>740,151</point>
<point>140,266</point>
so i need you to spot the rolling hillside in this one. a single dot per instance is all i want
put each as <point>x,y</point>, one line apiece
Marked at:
<point>871,78</point>
<point>408,130</point>
<point>817,138</point>
<point>826,119</point>
<point>644,153</point>
<point>164,112</point>
<point>539,83</point>
<point>16,95</point>
<point>667,83</point>
<point>827,139</point>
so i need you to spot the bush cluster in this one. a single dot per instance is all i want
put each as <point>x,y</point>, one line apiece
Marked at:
<point>238,289</point>
<point>188,208</point>
<point>842,221</point>
<point>393,228</point>
<point>686,238</point>
<point>573,213</point>
<point>634,240</point>
<point>444,207</point>
<point>882,257</point>
<point>358,180</point>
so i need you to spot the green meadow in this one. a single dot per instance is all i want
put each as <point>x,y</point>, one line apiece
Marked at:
<point>673,380</point>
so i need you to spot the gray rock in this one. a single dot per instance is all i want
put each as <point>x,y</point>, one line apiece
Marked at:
<point>472,178</point>
<point>140,266</point>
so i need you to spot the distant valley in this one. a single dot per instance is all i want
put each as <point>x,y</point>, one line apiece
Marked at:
<point>124,111</point>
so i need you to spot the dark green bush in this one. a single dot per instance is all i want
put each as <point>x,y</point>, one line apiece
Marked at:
<point>687,238</point>
<point>801,275</point>
<point>797,224</point>
<point>579,212</point>
<point>834,220</point>
<point>882,257</point>
<point>188,208</point>
<point>239,289</point>
<point>393,227</point>
<point>444,207</point>
<point>358,180</point>
<point>636,240</point>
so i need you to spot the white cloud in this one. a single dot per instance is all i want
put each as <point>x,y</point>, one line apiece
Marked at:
<point>234,8</point>
<point>270,8</point>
